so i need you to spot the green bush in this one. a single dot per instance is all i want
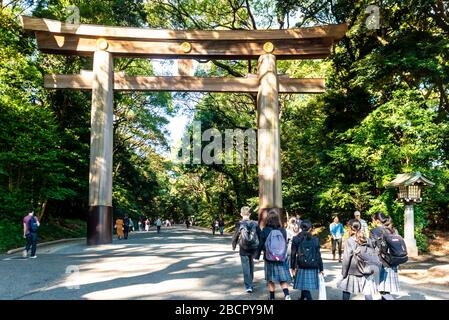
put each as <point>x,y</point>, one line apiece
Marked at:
<point>11,232</point>
<point>421,223</point>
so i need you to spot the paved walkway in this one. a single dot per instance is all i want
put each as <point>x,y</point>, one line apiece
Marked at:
<point>176,264</point>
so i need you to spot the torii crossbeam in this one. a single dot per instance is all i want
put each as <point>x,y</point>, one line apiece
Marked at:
<point>104,43</point>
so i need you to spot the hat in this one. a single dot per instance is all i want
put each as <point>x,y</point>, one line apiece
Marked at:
<point>357,213</point>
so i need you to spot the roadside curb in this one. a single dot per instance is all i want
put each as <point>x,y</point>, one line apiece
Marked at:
<point>43,244</point>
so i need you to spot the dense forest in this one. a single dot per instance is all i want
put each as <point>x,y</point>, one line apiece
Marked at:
<point>385,112</point>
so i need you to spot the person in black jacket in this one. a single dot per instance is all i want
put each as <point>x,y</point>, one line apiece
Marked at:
<point>275,271</point>
<point>246,254</point>
<point>306,277</point>
<point>126,226</point>
<point>388,277</point>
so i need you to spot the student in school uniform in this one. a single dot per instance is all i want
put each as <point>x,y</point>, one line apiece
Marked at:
<point>273,242</point>
<point>388,277</point>
<point>357,277</point>
<point>306,261</point>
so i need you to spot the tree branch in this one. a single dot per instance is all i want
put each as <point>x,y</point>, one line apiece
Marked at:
<point>250,14</point>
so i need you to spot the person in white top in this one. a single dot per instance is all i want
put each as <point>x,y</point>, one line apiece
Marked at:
<point>363,223</point>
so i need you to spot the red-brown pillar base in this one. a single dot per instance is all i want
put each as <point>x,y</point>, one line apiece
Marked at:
<point>99,225</point>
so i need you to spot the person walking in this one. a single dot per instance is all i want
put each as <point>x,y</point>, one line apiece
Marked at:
<point>187,223</point>
<point>273,242</point>
<point>213,226</point>
<point>119,227</point>
<point>337,232</point>
<point>30,230</point>
<point>306,261</point>
<point>139,224</point>
<point>221,225</point>
<point>246,235</point>
<point>292,231</point>
<point>363,223</point>
<point>158,224</point>
<point>147,224</point>
<point>126,226</point>
<point>357,275</point>
<point>131,225</point>
<point>388,276</point>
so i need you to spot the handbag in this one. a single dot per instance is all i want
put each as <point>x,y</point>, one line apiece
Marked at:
<point>322,288</point>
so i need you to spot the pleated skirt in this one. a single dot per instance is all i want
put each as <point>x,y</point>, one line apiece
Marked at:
<point>358,285</point>
<point>307,279</point>
<point>389,280</point>
<point>277,271</point>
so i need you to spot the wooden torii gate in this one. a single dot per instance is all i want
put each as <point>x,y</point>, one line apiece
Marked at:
<point>104,43</point>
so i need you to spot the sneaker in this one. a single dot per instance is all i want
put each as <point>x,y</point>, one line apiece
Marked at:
<point>24,254</point>
<point>249,290</point>
<point>287,297</point>
<point>33,257</point>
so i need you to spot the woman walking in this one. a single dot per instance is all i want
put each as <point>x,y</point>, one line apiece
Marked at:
<point>273,241</point>
<point>147,225</point>
<point>357,276</point>
<point>292,231</point>
<point>306,261</point>
<point>388,278</point>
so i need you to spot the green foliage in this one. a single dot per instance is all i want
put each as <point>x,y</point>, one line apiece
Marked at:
<point>11,233</point>
<point>385,112</point>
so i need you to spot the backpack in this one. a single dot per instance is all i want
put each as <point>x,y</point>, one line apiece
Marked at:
<point>366,258</point>
<point>275,246</point>
<point>393,250</point>
<point>248,239</point>
<point>33,224</point>
<point>308,257</point>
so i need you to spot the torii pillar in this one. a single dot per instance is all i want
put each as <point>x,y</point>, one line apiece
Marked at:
<point>269,164</point>
<point>99,221</point>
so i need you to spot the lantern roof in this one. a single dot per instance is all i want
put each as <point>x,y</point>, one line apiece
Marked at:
<point>408,179</point>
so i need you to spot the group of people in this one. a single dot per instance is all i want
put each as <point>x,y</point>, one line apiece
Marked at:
<point>123,227</point>
<point>144,224</point>
<point>293,252</point>
<point>218,225</point>
<point>337,232</point>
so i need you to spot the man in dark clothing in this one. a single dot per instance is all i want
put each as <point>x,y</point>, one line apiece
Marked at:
<point>30,225</point>
<point>246,254</point>
<point>221,225</point>
<point>213,226</point>
<point>126,226</point>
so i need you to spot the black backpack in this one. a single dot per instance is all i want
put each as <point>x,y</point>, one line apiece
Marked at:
<point>366,258</point>
<point>393,250</point>
<point>33,224</point>
<point>308,254</point>
<point>248,240</point>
